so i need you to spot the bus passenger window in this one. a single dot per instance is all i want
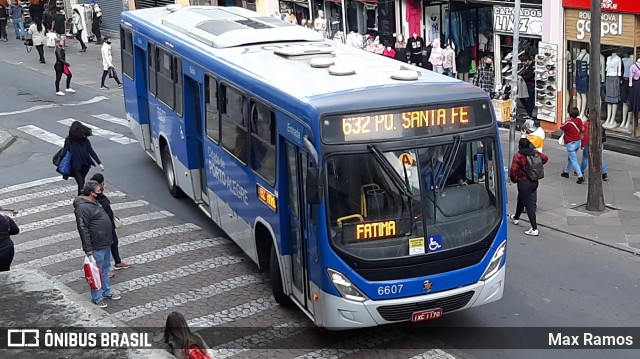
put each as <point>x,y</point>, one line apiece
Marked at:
<point>234,130</point>
<point>213,116</point>
<point>153,65</point>
<point>126,40</point>
<point>165,78</point>
<point>263,142</point>
<point>177,75</point>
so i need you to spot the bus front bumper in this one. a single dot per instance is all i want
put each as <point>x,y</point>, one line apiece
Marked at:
<point>340,314</point>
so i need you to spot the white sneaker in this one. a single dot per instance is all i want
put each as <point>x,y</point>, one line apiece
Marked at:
<point>513,219</point>
<point>60,93</point>
<point>71,90</point>
<point>531,232</point>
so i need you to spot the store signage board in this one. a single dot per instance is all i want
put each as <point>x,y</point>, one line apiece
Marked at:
<point>626,6</point>
<point>617,29</point>
<point>530,21</point>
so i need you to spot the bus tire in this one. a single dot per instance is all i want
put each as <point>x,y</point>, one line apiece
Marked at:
<point>170,173</point>
<point>276,280</point>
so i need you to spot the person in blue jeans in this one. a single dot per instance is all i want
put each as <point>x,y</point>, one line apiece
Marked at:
<point>17,20</point>
<point>95,229</point>
<point>585,151</point>
<point>573,141</point>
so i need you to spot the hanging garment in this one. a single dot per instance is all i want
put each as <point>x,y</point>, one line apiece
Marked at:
<point>612,89</point>
<point>414,16</point>
<point>414,46</point>
<point>582,76</point>
<point>401,54</point>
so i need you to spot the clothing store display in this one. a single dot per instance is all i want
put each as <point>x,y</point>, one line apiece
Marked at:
<point>433,28</point>
<point>437,58</point>
<point>612,81</point>
<point>415,45</point>
<point>634,82</point>
<point>450,61</point>
<point>414,16</point>
<point>401,49</point>
<point>463,61</point>
<point>389,52</point>
<point>354,40</point>
<point>582,72</point>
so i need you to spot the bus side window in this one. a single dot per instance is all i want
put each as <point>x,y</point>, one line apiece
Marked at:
<point>153,65</point>
<point>165,78</point>
<point>263,142</point>
<point>126,40</point>
<point>234,130</point>
<point>213,115</point>
<point>177,77</point>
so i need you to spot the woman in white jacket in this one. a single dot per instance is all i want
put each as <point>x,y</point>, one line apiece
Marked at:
<point>78,27</point>
<point>107,63</point>
<point>37,33</point>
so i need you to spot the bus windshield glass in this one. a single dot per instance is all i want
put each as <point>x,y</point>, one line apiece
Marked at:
<point>413,201</point>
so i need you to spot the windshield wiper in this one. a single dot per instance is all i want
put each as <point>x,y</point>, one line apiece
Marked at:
<point>391,172</point>
<point>457,141</point>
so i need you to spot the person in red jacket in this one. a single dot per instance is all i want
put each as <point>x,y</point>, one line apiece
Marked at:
<point>585,151</point>
<point>526,186</point>
<point>573,141</point>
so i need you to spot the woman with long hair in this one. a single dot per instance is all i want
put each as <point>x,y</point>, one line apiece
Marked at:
<point>77,25</point>
<point>62,67</point>
<point>82,153</point>
<point>37,33</point>
<point>8,228</point>
<point>184,343</point>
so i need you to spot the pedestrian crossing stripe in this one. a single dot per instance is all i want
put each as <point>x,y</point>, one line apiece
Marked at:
<point>39,194</point>
<point>42,134</point>
<point>58,204</point>
<point>112,119</point>
<point>97,131</point>
<point>229,315</point>
<point>26,185</point>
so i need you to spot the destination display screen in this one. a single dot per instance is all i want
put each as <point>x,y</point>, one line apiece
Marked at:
<point>373,230</point>
<point>415,122</point>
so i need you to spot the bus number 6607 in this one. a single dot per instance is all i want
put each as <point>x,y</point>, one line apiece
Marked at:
<point>389,289</point>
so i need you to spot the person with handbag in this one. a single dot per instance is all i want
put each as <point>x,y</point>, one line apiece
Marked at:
<point>62,67</point>
<point>38,37</point>
<point>106,204</point>
<point>8,228</point>
<point>572,137</point>
<point>78,28</point>
<point>94,227</point>
<point>107,64</point>
<point>184,343</point>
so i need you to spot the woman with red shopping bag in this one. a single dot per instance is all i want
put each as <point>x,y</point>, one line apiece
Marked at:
<point>184,343</point>
<point>62,67</point>
<point>94,226</point>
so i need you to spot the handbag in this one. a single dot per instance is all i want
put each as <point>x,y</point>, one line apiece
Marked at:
<point>51,39</point>
<point>92,273</point>
<point>64,167</point>
<point>57,157</point>
<point>111,72</point>
<point>561,141</point>
<point>66,70</point>
<point>117,222</point>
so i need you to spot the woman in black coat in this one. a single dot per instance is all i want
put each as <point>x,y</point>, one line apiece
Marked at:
<point>82,153</point>
<point>8,228</point>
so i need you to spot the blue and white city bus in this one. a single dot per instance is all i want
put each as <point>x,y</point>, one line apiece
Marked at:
<point>372,191</point>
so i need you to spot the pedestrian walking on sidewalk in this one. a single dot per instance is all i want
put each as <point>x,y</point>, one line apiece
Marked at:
<point>82,153</point>
<point>78,28</point>
<point>107,64</point>
<point>8,228</point>
<point>36,8</point>
<point>62,67</point>
<point>37,33</point>
<point>526,170</point>
<point>17,20</point>
<point>97,19</point>
<point>94,227</point>
<point>106,204</point>
<point>58,25</point>
<point>184,343</point>
<point>4,16</point>
<point>573,141</point>
<point>536,136</point>
<point>585,151</point>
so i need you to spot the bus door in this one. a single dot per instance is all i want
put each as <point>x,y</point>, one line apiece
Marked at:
<point>142,90</point>
<point>194,126</point>
<point>297,164</point>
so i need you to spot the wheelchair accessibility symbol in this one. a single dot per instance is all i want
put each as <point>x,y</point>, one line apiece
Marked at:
<point>435,243</point>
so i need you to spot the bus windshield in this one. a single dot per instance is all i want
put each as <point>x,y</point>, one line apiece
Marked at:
<point>413,201</point>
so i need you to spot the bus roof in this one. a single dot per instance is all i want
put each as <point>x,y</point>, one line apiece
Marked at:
<point>284,55</point>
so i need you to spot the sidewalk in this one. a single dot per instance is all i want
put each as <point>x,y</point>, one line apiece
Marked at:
<point>558,196</point>
<point>86,67</point>
<point>32,299</point>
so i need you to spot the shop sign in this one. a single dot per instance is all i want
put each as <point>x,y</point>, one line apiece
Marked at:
<point>626,6</point>
<point>616,29</point>
<point>530,20</point>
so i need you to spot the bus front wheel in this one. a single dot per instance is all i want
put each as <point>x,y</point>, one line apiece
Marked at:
<point>170,173</point>
<point>276,280</point>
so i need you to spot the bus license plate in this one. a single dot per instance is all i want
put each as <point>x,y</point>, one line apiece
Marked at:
<point>426,315</point>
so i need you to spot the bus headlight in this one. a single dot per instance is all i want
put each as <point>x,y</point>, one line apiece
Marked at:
<point>344,286</point>
<point>494,265</point>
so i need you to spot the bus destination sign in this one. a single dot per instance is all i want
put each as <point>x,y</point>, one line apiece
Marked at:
<point>400,124</point>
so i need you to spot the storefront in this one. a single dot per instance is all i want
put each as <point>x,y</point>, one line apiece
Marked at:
<point>620,47</point>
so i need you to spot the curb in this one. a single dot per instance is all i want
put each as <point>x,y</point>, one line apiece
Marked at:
<point>6,143</point>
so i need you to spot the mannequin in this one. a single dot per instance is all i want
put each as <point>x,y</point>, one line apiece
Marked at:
<point>415,45</point>
<point>627,117</point>
<point>612,88</point>
<point>291,18</point>
<point>449,61</point>
<point>634,94</point>
<point>401,48</point>
<point>437,57</point>
<point>582,81</point>
<point>463,64</point>
<point>389,52</point>
<point>320,24</point>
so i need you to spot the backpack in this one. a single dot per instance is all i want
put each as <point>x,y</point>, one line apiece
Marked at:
<point>535,167</point>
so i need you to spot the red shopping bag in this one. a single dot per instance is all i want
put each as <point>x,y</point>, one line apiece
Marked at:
<point>92,273</point>
<point>66,70</point>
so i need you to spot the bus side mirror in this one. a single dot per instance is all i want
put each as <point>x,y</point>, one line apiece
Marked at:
<point>313,186</point>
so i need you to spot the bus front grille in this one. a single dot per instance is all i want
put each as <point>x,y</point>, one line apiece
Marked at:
<point>399,312</point>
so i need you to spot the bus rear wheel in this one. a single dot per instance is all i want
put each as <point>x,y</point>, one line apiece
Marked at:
<point>170,173</point>
<point>276,280</point>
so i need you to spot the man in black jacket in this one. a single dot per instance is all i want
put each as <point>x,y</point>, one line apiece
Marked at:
<point>95,226</point>
<point>528,75</point>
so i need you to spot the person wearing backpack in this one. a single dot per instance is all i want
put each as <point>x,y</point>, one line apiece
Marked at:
<point>573,140</point>
<point>526,170</point>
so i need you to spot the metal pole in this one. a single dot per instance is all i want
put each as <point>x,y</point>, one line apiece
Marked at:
<point>514,80</point>
<point>344,22</point>
<point>310,10</point>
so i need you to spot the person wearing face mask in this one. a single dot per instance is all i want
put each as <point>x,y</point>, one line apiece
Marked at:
<point>95,228</point>
<point>484,77</point>
<point>107,64</point>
